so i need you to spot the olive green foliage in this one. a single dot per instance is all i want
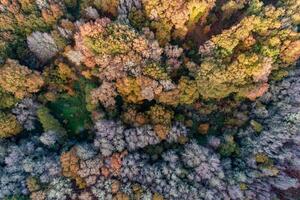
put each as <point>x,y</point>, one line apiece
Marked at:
<point>229,147</point>
<point>48,122</point>
<point>138,19</point>
<point>188,91</point>
<point>6,100</point>
<point>155,71</point>
<point>256,126</point>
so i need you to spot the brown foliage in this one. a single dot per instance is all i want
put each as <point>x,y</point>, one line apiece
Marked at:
<point>70,166</point>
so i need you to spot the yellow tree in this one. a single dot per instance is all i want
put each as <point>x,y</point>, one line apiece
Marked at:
<point>19,80</point>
